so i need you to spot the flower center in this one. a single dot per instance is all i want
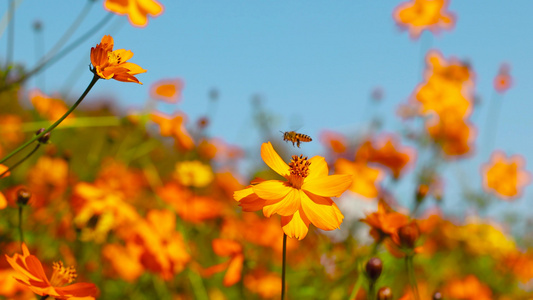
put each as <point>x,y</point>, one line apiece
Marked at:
<point>62,275</point>
<point>113,58</point>
<point>299,169</point>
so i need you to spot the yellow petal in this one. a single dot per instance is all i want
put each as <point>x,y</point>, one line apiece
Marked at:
<point>329,186</point>
<point>295,226</point>
<point>273,160</point>
<point>271,189</point>
<point>286,207</point>
<point>321,211</point>
<point>318,167</point>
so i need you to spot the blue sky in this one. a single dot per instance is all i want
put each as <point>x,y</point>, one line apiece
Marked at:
<point>314,63</point>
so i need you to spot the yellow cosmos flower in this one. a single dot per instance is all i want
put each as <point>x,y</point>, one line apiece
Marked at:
<point>193,173</point>
<point>302,199</point>
<point>112,64</point>
<point>137,10</point>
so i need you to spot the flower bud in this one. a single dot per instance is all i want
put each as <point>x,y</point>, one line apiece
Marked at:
<point>43,139</point>
<point>409,234</point>
<point>23,196</point>
<point>421,192</point>
<point>373,268</point>
<point>437,296</point>
<point>384,293</point>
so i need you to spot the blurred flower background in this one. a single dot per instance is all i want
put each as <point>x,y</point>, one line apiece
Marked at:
<point>421,105</point>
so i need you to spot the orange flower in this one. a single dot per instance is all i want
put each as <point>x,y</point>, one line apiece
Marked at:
<point>366,179</point>
<point>262,283</point>
<point>137,10</point>
<point>420,15</point>
<point>333,141</point>
<point>168,90</point>
<point>112,64</point>
<point>174,126</point>
<point>30,272</point>
<point>224,247</point>
<point>385,222</point>
<point>452,133</point>
<point>505,177</point>
<point>302,199</point>
<point>503,81</point>
<point>469,288</point>
<point>51,108</point>
<point>3,200</point>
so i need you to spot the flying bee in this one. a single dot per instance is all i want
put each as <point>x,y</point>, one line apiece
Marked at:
<point>295,137</point>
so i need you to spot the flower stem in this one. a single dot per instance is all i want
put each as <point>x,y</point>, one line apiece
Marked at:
<point>21,233</point>
<point>20,161</point>
<point>411,274</point>
<point>356,288</point>
<point>36,137</point>
<point>283,266</point>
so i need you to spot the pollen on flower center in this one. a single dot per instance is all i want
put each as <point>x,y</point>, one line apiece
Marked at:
<point>62,275</point>
<point>299,169</point>
<point>114,59</point>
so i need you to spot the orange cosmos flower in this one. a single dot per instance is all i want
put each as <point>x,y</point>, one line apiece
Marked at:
<point>505,177</point>
<point>112,64</point>
<point>137,10</point>
<point>385,222</point>
<point>174,126</point>
<point>452,133</point>
<point>168,90</point>
<point>225,247</point>
<point>420,15</point>
<point>263,283</point>
<point>30,272</point>
<point>51,108</point>
<point>366,179</point>
<point>334,141</point>
<point>503,81</point>
<point>469,288</point>
<point>302,199</point>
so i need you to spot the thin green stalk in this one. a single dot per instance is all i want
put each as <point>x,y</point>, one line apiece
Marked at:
<point>20,161</point>
<point>36,137</point>
<point>356,288</point>
<point>79,122</point>
<point>411,274</point>
<point>61,54</point>
<point>21,233</point>
<point>283,266</point>
<point>372,290</point>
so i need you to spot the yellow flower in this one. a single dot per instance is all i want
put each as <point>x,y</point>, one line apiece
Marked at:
<point>137,10</point>
<point>302,199</point>
<point>193,173</point>
<point>112,64</point>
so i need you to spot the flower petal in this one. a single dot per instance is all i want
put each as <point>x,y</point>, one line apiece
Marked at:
<point>233,274</point>
<point>321,211</point>
<point>318,168</point>
<point>273,160</point>
<point>286,207</point>
<point>295,226</point>
<point>329,186</point>
<point>271,189</point>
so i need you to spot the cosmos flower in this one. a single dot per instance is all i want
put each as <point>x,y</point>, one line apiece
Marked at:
<point>302,199</point>
<point>419,15</point>
<point>30,272</point>
<point>167,90</point>
<point>137,10</point>
<point>505,177</point>
<point>113,64</point>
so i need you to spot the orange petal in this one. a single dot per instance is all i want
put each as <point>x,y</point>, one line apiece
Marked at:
<point>318,167</point>
<point>329,186</point>
<point>271,189</point>
<point>286,207</point>
<point>321,211</point>
<point>273,160</point>
<point>233,274</point>
<point>295,226</point>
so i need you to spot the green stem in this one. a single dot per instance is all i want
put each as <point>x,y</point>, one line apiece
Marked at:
<point>372,290</point>
<point>21,233</point>
<point>59,55</point>
<point>20,161</point>
<point>93,81</point>
<point>356,288</point>
<point>79,122</point>
<point>411,274</point>
<point>283,266</point>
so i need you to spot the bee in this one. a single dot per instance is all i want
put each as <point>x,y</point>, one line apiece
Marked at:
<point>295,137</point>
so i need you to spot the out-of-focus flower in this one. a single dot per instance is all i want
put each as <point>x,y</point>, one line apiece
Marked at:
<point>48,179</point>
<point>384,222</point>
<point>51,108</point>
<point>109,64</point>
<point>366,179</point>
<point>193,173</point>
<point>420,15</point>
<point>191,208</point>
<point>453,134</point>
<point>174,126</point>
<point>302,199</point>
<point>10,129</point>
<point>233,267</point>
<point>519,264</point>
<point>505,177</point>
<point>469,288</point>
<point>333,141</point>
<point>168,90</point>
<point>30,272</point>
<point>503,81</point>
<point>137,10</point>
<point>3,200</point>
<point>262,283</point>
